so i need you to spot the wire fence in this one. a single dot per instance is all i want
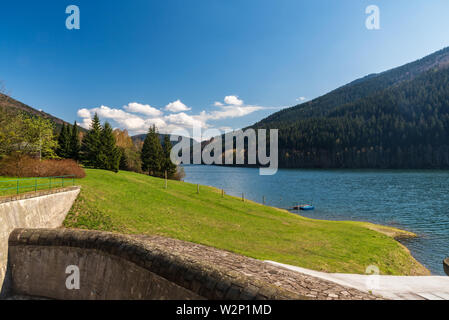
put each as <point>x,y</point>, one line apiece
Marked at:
<point>296,206</point>
<point>23,185</point>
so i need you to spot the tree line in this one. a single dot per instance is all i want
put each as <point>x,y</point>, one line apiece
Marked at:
<point>101,147</point>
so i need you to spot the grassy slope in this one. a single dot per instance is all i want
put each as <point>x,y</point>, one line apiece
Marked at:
<point>137,204</point>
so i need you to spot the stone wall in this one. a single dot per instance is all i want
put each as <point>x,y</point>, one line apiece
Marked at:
<point>114,266</point>
<point>42,209</point>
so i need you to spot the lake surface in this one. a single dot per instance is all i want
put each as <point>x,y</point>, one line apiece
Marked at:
<point>417,201</point>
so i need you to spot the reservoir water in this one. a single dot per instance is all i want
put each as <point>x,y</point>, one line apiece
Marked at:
<point>416,201</point>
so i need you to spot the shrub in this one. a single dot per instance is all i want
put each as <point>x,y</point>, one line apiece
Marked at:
<point>25,166</point>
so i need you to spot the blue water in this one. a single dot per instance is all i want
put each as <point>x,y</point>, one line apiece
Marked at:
<point>417,201</point>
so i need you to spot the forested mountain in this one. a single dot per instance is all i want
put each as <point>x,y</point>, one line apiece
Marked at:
<point>361,88</point>
<point>396,119</point>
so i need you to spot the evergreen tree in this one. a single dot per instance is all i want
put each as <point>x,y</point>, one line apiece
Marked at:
<point>123,159</point>
<point>63,149</point>
<point>168,165</point>
<point>152,153</point>
<point>74,142</point>
<point>91,145</point>
<point>109,155</point>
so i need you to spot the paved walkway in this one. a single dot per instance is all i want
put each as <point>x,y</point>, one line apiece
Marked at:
<point>389,287</point>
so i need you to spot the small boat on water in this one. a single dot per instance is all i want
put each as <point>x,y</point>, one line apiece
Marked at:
<point>304,207</point>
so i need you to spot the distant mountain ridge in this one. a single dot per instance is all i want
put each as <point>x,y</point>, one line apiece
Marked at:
<point>361,88</point>
<point>395,119</point>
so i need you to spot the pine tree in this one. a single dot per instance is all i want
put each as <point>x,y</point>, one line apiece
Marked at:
<point>63,149</point>
<point>168,165</point>
<point>74,142</point>
<point>109,155</point>
<point>123,159</point>
<point>91,145</point>
<point>152,153</point>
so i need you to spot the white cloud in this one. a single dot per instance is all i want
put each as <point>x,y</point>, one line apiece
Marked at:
<point>145,109</point>
<point>158,122</point>
<point>137,118</point>
<point>83,113</point>
<point>176,106</point>
<point>233,112</point>
<point>132,124</point>
<point>86,123</point>
<point>125,120</point>
<point>301,99</point>
<point>232,108</point>
<point>185,120</point>
<point>233,100</point>
<point>110,113</point>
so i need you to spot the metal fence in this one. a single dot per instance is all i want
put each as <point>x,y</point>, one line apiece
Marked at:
<point>16,186</point>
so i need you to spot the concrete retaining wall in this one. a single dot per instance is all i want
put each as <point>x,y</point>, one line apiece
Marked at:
<point>43,209</point>
<point>114,266</point>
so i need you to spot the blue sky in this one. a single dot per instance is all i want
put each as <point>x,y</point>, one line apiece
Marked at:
<point>146,55</point>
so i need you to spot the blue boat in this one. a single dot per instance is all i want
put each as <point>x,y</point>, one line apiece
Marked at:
<point>305,207</point>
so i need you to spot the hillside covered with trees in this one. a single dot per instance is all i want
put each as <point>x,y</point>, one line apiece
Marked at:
<point>396,119</point>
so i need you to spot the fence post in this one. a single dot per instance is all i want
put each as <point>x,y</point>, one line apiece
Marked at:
<point>222,193</point>
<point>165,179</point>
<point>18,186</point>
<point>243,197</point>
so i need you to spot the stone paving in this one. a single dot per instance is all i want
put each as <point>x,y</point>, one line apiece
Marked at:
<point>234,265</point>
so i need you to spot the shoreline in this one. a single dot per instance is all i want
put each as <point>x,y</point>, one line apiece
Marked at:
<point>392,232</point>
<point>270,233</point>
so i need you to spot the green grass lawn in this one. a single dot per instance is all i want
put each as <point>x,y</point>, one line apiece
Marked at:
<point>132,203</point>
